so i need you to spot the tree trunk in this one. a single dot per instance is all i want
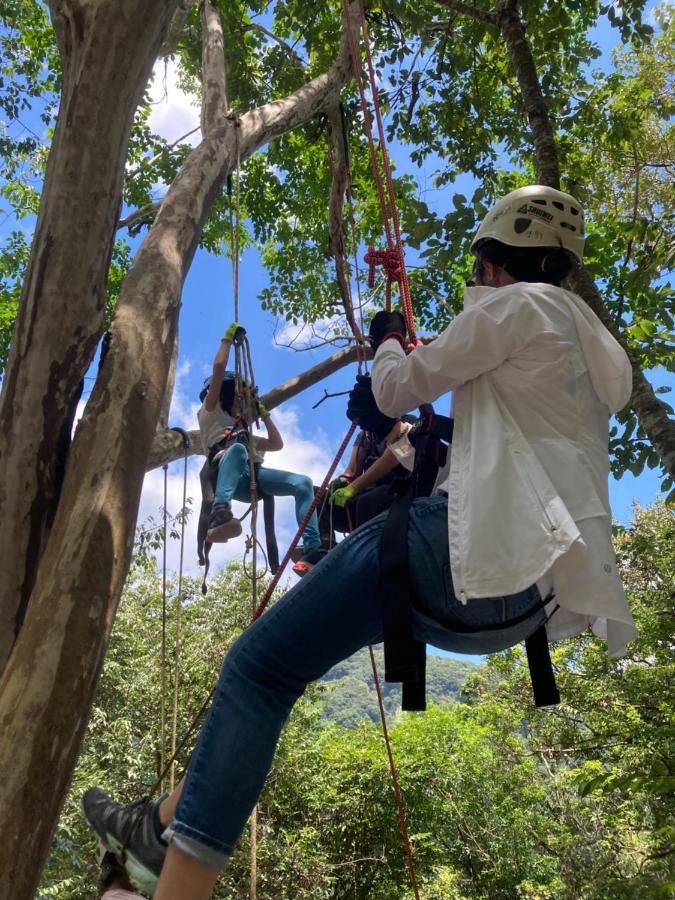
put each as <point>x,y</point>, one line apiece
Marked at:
<point>546,148</point>
<point>48,685</point>
<point>107,50</point>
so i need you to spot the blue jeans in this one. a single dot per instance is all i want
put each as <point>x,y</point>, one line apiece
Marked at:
<point>334,611</point>
<point>234,482</point>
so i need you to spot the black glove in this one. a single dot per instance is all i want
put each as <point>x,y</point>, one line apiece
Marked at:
<point>385,323</point>
<point>362,407</point>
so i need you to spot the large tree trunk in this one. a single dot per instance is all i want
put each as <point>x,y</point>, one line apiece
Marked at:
<point>48,684</point>
<point>107,51</point>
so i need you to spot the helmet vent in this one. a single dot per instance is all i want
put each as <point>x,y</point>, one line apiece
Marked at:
<point>558,205</point>
<point>521,225</point>
<point>575,212</point>
<point>567,225</point>
<point>539,201</point>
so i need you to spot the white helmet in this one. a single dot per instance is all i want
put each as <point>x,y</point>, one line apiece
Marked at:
<point>535,216</point>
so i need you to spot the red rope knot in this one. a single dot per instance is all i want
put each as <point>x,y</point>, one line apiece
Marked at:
<point>391,261</point>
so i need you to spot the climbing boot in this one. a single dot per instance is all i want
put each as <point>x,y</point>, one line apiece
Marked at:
<point>130,834</point>
<point>222,524</point>
<point>310,557</point>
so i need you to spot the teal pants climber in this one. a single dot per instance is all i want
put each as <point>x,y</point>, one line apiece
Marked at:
<point>234,483</point>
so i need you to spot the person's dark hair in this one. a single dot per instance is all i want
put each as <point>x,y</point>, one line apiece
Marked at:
<point>547,264</point>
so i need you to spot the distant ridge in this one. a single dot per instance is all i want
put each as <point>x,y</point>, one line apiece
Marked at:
<point>350,697</point>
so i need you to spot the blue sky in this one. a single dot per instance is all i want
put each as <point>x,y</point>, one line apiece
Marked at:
<point>311,436</point>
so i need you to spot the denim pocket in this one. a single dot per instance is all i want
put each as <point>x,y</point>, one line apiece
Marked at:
<point>478,614</point>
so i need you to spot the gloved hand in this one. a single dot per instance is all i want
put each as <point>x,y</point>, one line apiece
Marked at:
<point>234,333</point>
<point>262,409</point>
<point>385,323</point>
<point>343,495</point>
<point>362,407</point>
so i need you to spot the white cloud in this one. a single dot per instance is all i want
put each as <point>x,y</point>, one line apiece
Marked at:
<point>183,406</point>
<point>174,112</point>
<point>330,328</point>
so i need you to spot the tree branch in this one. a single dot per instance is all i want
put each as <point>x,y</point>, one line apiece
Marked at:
<point>176,27</point>
<point>214,78</point>
<point>139,217</point>
<point>338,151</point>
<point>480,15</point>
<point>513,32</point>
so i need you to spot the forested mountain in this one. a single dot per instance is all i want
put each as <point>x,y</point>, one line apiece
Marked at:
<point>350,696</point>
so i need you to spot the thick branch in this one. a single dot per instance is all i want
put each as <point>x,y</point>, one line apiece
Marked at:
<point>339,185</point>
<point>214,78</point>
<point>653,414</point>
<point>546,149</point>
<point>480,15</point>
<point>177,27</point>
<point>61,314</point>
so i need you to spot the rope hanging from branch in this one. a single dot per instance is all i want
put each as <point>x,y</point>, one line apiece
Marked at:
<point>394,258</point>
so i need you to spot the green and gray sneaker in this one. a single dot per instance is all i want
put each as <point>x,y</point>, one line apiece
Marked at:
<point>129,832</point>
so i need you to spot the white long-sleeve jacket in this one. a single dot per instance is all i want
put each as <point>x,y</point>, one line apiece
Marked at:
<point>535,376</point>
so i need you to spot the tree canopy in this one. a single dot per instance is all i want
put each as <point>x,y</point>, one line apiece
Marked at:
<point>453,109</point>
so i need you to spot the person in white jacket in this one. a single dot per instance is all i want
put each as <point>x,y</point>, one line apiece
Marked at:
<point>521,513</point>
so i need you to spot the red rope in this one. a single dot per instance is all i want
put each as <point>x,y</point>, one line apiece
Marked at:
<point>301,527</point>
<point>390,216</point>
<point>394,778</point>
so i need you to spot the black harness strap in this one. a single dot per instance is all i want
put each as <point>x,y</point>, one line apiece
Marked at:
<point>404,656</point>
<point>541,670</point>
<point>208,477</point>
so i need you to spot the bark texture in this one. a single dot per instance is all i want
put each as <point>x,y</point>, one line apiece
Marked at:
<point>107,49</point>
<point>340,175</point>
<point>49,682</point>
<point>177,27</point>
<point>513,32</point>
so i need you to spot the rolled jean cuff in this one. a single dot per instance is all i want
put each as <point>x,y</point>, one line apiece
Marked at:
<point>197,845</point>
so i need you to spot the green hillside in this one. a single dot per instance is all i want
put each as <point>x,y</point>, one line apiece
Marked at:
<point>350,695</point>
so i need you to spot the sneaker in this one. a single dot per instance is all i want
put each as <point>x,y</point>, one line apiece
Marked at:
<point>222,524</point>
<point>129,833</point>
<point>310,557</point>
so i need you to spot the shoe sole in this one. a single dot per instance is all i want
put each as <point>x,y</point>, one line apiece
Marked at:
<point>139,874</point>
<point>222,533</point>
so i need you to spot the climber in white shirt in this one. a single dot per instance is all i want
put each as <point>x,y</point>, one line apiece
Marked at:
<point>535,376</point>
